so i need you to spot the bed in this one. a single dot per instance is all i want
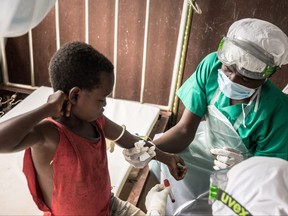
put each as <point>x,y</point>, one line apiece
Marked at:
<point>15,197</point>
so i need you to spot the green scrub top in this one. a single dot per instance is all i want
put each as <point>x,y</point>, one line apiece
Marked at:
<point>265,132</point>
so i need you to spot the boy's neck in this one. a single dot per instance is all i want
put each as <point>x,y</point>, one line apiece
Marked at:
<point>87,130</point>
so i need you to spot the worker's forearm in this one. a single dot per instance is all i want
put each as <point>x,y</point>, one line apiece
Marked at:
<point>174,140</point>
<point>162,156</point>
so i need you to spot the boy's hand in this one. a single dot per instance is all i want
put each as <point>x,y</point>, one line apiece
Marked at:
<point>60,104</point>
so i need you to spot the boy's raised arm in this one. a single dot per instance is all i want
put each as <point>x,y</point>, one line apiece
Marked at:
<point>23,131</point>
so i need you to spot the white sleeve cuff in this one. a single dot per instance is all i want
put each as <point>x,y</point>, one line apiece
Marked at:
<point>153,213</point>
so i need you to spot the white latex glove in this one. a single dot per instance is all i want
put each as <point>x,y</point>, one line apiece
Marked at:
<point>139,156</point>
<point>156,200</point>
<point>226,157</point>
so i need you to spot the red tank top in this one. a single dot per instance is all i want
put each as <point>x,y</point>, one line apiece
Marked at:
<point>81,177</point>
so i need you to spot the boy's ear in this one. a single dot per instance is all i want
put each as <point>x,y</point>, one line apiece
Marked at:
<point>73,94</point>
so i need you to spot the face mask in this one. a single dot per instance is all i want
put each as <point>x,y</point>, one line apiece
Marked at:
<point>233,90</point>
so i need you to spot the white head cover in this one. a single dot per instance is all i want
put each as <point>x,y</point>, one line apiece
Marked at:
<point>260,184</point>
<point>17,17</point>
<point>264,34</point>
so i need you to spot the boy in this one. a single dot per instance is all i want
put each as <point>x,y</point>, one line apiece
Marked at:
<point>65,159</point>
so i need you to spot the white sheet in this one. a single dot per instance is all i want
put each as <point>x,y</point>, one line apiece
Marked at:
<point>15,198</point>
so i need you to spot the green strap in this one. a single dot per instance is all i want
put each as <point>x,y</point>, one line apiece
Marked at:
<point>232,203</point>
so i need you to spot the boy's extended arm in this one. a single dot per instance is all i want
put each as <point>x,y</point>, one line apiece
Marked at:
<point>113,130</point>
<point>23,131</point>
<point>127,141</point>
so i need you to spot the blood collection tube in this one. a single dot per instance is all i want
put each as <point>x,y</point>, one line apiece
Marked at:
<point>171,195</point>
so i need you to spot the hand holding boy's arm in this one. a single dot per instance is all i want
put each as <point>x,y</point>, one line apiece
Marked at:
<point>141,155</point>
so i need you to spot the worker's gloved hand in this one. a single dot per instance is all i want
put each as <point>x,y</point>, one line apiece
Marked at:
<point>139,156</point>
<point>226,157</point>
<point>156,200</point>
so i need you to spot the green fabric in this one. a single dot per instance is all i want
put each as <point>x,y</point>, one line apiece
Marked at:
<point>266,132</point>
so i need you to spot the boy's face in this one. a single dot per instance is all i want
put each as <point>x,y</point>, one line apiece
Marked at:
<point>90,104</point>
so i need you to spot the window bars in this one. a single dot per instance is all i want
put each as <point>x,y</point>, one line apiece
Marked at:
<point>179,61</point>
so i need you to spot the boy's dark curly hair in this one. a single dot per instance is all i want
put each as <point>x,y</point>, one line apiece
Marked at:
<point>77,64</point>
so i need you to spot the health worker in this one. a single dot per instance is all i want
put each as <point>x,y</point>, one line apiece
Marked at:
<point>245,113</point>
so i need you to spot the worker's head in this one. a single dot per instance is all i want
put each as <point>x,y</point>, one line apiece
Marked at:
<point>257,185</point>
<point>255,48</point>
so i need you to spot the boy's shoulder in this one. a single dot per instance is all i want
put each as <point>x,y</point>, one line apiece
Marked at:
<point>48,131</point>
